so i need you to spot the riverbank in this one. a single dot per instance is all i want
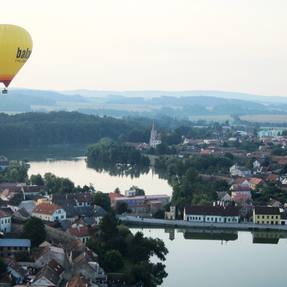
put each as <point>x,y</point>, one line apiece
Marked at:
<point>162,223</point>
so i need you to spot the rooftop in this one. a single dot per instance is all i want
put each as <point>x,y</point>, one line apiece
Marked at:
<point>46,208</point>
<point>15,243</point>
<point>212,210</point>
<point>266,210</point>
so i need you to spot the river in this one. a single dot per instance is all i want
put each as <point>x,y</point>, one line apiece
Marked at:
<point>223,259</point>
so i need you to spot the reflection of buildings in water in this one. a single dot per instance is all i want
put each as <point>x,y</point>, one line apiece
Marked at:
<point>264,237</point>
<point>171,232</point>
<point>201,234</point>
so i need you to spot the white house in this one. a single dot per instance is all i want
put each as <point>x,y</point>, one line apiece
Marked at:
<point>49,212</point>
<point>211,214</point>
<point>5,222</point>
<point>236,170</point>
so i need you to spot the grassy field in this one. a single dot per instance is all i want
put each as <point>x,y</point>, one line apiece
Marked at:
<point>217,118</point>
<point>265,118</point>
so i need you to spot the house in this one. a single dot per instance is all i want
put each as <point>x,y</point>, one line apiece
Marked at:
<point>254,182</point>
<point>4,163</point>
<point>5,222</point>
<point>47,253</point>
<point>256,164</point>
<point>79,199</point>
<point>224,199</point>
<point>211,214</point>
<point>10,247</point>
<point>270,133</point>
<point>86,264</point>
<point>49,276</point>
<point>16,271</point>
<point>241,197</point>
<point>75,204</point>
<point>237,170</point>
<point>49,212</point>
<point>78,281</point>
<point>145,204</point>
<point>266,215</point>
<point>28,205</point>
<point>272,178</point>
<point>80,231</point>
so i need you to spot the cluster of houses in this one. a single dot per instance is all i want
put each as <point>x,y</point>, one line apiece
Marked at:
<point>65,263</point>
<point>71,220</point>
<point>64,260</point>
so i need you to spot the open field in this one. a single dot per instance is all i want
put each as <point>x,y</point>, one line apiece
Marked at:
<point>216,118</point>
<point>265,118</point>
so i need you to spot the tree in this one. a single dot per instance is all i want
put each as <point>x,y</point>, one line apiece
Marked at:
<point>102,199</point>
<point>36,179</point>
<point>34,229</point>
<point>3,266</point>
<point>56,184</point>
<point>122,207</point>
<point>113,260</point>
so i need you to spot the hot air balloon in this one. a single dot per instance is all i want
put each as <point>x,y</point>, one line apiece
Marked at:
<point>15,49</point>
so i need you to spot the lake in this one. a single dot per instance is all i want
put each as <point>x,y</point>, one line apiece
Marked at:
<point>77,171</point>
<point>222,259</point>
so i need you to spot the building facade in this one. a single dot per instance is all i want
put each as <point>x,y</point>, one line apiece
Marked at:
<point>5,222</point>
<point>211,214</point>
<point>266,215</point>
<point>49,212</point>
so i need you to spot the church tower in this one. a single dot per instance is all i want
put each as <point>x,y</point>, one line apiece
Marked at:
<point>154,137</point>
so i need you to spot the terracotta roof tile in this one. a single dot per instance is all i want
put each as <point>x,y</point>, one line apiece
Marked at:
<point>46,208</point>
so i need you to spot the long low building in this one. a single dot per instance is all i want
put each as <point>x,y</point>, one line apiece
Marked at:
<point>9,247</point>
<point>211,214</point>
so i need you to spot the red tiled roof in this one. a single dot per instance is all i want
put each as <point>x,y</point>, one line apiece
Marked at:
<point>46,208</point>
<point>78,281</point>
<point>79,231</point>
<point>239,180</point>
<point>56,267</point>
<point>3,214</point>
<point>255,180</point>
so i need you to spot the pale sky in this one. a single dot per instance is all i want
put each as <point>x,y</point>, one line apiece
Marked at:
<point>230,45</point>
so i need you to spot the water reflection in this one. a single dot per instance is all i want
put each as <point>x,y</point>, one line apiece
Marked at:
<point>133,171</point>
<point>210,235</point>
<point>258,237</point>
<point>263,237</point>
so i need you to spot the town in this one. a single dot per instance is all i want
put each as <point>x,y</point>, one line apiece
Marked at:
<point>237,180</point>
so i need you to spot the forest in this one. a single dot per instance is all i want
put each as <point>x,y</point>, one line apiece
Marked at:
<point>38,129</point>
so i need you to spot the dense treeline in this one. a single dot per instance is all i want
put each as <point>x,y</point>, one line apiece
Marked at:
<point>108,151</point>
<point>67,127</point>
<point>32,129</point>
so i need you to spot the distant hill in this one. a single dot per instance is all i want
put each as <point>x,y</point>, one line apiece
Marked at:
<point>186,104</point>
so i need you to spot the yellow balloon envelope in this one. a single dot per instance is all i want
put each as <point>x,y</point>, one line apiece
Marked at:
<point>15,49</point>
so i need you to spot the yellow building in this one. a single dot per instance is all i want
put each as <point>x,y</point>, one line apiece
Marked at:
<point>266,215</point>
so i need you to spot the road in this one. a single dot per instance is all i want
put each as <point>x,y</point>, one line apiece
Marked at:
<point>140,221</point>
